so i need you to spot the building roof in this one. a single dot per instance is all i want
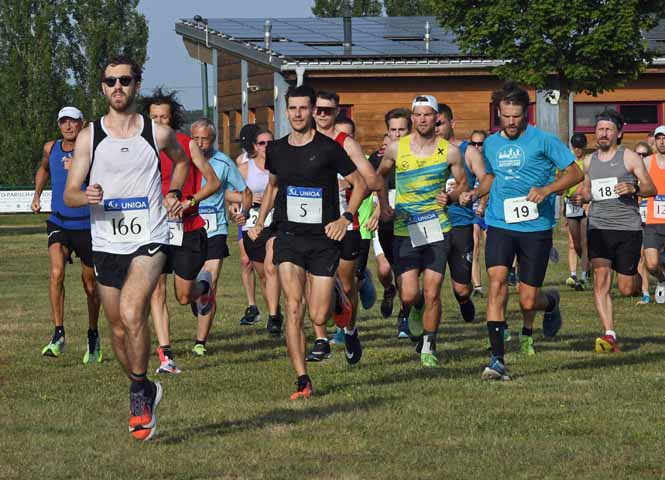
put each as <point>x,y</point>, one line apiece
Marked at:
<point>317,43</point>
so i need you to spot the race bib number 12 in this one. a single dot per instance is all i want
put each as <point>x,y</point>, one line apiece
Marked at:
<point>424,229</point>
<point>659,206</point>
<point>128,219</point>
<point>519,209</point>
<point>304,205</point>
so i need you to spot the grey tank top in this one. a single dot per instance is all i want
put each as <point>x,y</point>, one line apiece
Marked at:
<point>621,213</point>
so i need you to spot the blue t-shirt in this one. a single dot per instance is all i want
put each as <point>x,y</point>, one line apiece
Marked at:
<point>459,215</point>
<point>531,160</point>
<point>230,177</point>
<point>62,215</point>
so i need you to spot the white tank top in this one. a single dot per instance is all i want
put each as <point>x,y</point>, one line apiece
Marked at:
<point>131,214</point>
<point>257,179</point>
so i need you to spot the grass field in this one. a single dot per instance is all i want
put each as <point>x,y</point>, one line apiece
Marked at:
<point>568,413</point>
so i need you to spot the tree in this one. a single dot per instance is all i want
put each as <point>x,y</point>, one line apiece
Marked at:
<point>409,8</point>
<point>571,45</point>
<point>360,8</point>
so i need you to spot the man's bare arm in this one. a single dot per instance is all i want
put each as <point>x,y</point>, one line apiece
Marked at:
<point>635,165</point>
<point>212,182</point>
<point>354,151</point>
<point>79,168</point>
<point>41,177</point>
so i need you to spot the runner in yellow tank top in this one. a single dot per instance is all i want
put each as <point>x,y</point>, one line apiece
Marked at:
<point>423,162</point>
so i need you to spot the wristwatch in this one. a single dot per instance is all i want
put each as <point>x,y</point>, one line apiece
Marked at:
<point>177,192</point>
<point>348,216</point>
<point>192,201</point>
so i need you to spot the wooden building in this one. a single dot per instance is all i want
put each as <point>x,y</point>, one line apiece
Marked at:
<point>379,64</point>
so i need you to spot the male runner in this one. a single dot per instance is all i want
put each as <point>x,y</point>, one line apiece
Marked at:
<point>326,110</point>
<point>119,154</point>
<point>654,231</point>
<point>520,161</point>
<point>189,243</point>
<point>304,191</point>
<point>213,211</point>
<point>462,218</point>
<point>68,231</point>
<point>611,185</point>
<point>423,162</point>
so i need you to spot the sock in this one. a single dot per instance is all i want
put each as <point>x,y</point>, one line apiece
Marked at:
<point>139,382</point>
<point>527,331</point>
<point>92,339</point>
<point>350,332</point>
<point>58,333</point>
<point>573,274</point>
<point>495,333</point>
<point>166,349</point>
<point>611,333</point>
<point>322,339</point>
<point>200,342</point>
<point>583,276</point>
<point>429,342</point>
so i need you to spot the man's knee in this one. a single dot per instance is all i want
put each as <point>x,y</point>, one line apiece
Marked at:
<point>57,274</point>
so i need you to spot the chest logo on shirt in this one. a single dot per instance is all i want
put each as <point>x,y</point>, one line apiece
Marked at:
<point>510,158</point>
<point>124,150</point>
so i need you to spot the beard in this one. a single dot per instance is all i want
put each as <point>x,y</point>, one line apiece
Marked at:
<point>426,131</point>
<point>123,102</point>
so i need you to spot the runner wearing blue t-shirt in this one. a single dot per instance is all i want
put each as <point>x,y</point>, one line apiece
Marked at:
<point>521,162</point>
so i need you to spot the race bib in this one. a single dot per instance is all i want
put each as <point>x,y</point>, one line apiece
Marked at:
<point>573,211</point>
<point>254,216</point>
<point>175,233</point>
<point>450,185</point>
<point>519,209</point>
<point>643,211</point>
<point>424,229</point>
<point>209,215</point>
<point>128,219</point>
<point>304,205</point>
<point>603,188</point>
<point>391,197</point>
<point>659,206</point>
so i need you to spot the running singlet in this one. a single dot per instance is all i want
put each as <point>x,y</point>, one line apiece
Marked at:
<point>345,195</point>
<point>418,180</point>
<point>62,215</point>
<point>460,215</point>
<point>608,210</point>
<point>518,164</point>
<point>131,213</point>
<point>257,181</point>
<point>308,193</point>
<point>190,218</point>
<point>656,205</point>
<point>212,209</point>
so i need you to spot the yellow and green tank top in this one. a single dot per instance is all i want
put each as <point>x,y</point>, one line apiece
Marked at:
<point>418,180</point>
<point>571,191</point>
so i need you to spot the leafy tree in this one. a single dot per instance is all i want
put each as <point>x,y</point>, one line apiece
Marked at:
<point>571,45</point>
<point>409,8</point>
<point>360,8</point>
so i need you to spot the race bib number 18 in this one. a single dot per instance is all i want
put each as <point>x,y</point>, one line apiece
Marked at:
<point>519,209</point>
<point>304,205</point>
<point>424,228</point>
<point>128,219</point>
<point>603,188</point>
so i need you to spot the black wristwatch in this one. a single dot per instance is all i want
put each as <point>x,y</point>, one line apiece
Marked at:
<point>177,192</point>
<point>348,216</point>
<point>637,189</point>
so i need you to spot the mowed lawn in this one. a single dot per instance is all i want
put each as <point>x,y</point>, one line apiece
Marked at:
<point>568,413</point>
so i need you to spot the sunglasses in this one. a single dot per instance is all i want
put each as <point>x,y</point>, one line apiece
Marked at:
<point>325,110</point>
<point>125,80</point>
<point>476,144</point>
<point>642,154</point>
<point>263,143</point>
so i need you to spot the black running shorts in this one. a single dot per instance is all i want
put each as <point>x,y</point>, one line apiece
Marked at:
<point>217,247</point>
<point>111,268</point>
<point>350,245</point>
<point>317,254</point>
<point>187,259</point>
<point>256,249</point>
<point>460,257</point>
<point>77,241</point>
<point>432,256</point>
<point>622,247</point>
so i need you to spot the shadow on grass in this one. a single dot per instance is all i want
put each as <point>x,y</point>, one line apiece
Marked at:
<point>12,231</point>
<point>277,416</point>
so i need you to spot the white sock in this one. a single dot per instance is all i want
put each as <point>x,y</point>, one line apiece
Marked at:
<point>322,338</point>
<point>427,343</point>
<point>573,274</point>
<point>583,276</point>
<point>349,332</point>
<point>611,333</point>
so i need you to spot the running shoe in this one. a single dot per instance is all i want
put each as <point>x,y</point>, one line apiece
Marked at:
<point>206,300</point>
<point>343,308</point>
<point>403,327</point>
<point>367,291</point>
<point>274,325</point>
<point>495,370</point>
<point>659,294</point>
<point>468,311</point>
<point>580,286</point>
<point>571,281</point>
<point>55,348</point>
<point>646,299</point>
<point>552,320</point>
<point>607,344</point>
<point>429,360</point>
<point>319,352</point>
<point>304,388</point>
<point>199,350</point>
<point>416,320</point>
<point>353,350</point>
<point>526,346</point>
<point>252,316</point>
<point>143,412</point>
<point>387,302</point>
<point>338,338</point>
<point>166,364</point>
<point>95,356</point>
<point>478,292</point>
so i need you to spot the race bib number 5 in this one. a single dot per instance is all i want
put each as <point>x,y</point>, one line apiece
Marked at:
<point>128,219</point>
<point>176,233</point>
<point>424,229</point>
<point>304,205</point>
<point>603,188</point>
<point>519,209</point>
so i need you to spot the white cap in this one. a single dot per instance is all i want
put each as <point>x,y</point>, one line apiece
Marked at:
<point>425,101</point>
<point>659,131</point>
<point>70,112</point>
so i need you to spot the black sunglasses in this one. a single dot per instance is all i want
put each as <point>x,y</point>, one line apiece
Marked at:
<point>125,80</point>
<point>263,143</point>
<point>476,144</point>
<point>324,110</point>
<point>643,154</point>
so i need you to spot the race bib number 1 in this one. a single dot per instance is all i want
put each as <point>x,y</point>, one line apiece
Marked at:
<point>659,206</point>
<point>519,209</point>
<point>603,188</point>
<point>128,219</point>
<point>424,229</point>
<point>209,215</point>
<point>304,205</point>
<point>175,233</point>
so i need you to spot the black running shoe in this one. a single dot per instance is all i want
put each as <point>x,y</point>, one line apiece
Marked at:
<point>251,317</point>
<point>274,325</point>
<point>319,352</point>
<point>387,302</point>
<point>352,348</point>
<point>468,311</point>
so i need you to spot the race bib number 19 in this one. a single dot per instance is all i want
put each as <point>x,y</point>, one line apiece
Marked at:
<point>603,188</point>
<point>424,228</point>
<point>573,211</point>
<point>128,219</point>
<point>304,205</point>
<point>519,209</point>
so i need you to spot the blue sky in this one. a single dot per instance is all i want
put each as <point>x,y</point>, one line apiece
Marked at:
<point>168,63</point>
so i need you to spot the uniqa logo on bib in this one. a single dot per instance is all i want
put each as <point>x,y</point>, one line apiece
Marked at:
<point>511,158</point>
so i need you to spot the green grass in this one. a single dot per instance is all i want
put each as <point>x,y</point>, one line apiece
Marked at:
<point>568,413</point>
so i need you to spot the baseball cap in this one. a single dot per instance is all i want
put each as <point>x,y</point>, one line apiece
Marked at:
<point>659,131</point>
<point>70,112</point>
<point>425,101</point>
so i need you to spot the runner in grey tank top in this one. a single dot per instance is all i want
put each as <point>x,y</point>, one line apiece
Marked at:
<point>610,211</point>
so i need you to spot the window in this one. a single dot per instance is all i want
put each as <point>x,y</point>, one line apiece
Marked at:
<point>495,121</point>
<point>346,110</point>
<point>639,116</point>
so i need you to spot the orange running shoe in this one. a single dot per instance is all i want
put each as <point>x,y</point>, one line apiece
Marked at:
<point>607,344</point>
<point>343,308</point>
<point>143,415</point>
<point>304,388</point>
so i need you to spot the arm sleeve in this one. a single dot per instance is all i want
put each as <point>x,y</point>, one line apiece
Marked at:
<point>556,151</point>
